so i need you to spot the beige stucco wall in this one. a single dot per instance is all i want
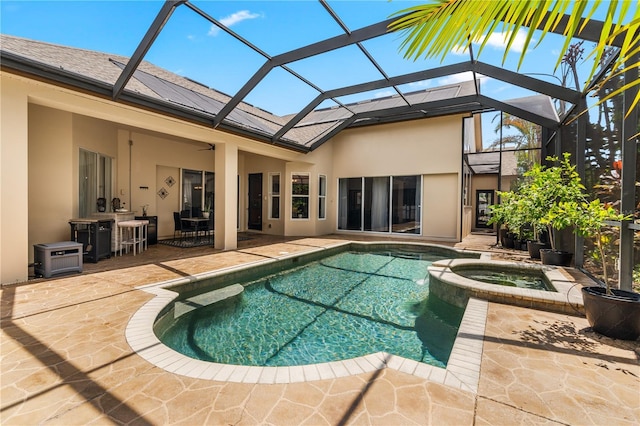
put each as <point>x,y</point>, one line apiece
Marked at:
<point>441,206</point>
<point>51,176</point>
<point>44,126</point>
<point>431,148</point>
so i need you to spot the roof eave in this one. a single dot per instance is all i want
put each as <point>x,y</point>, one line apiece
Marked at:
<point>17,64</point>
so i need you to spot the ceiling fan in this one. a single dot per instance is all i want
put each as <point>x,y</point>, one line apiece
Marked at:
<point>212,147</point>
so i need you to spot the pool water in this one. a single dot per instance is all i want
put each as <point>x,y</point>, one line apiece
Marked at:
<point>532,280</point>
<point>348,305</point>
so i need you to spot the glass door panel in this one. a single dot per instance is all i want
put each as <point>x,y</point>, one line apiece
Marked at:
<point>376,204</point>
<point>405,204</point>
<point>484,198</point>
<point>350,204</point>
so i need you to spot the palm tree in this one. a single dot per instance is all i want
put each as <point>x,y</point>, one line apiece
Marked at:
<point>527,140</point>
<point>441,26</point>
<point>529,134</point>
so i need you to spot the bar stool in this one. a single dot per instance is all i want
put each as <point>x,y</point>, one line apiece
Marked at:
<point>143,238</point>
<point>132,233</point>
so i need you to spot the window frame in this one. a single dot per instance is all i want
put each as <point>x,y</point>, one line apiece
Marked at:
<point>306,196</point>
<point>103,182</point>
<point>345,212</point>
<point>275,195</point>
<point>322,197</point>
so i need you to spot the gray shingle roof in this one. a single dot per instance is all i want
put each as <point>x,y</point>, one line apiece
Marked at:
<point>157,83</point>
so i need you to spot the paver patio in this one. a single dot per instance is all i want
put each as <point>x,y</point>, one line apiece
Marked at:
<point>65,360</point>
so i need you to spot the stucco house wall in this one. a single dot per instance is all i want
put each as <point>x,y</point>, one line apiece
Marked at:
<point>44,126</point>
<point>431,148</point>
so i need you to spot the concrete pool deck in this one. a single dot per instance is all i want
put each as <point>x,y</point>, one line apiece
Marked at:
<point>65,360</point>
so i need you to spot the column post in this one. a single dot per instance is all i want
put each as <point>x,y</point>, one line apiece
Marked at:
<point>14,185</point>
<point>629,174</point>
<point>226,196</point>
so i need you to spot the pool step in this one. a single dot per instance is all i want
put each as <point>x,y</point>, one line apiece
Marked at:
<point>184,306</point>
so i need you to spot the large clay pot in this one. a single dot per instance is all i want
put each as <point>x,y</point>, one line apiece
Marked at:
<point>616,315</point>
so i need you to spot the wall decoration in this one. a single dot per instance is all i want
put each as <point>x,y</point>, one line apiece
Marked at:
<point>163,193</point>
<point>170,181</point>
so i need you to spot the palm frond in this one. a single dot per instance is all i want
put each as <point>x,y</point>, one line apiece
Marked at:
<point>440,26</point>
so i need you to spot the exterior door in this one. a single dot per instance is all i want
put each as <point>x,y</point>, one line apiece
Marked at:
<point>484,198</point>
<point>255,201</point>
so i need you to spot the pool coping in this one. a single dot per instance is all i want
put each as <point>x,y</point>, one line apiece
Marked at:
<point>462,371</point>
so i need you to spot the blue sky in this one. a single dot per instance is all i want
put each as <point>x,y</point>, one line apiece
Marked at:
<point>190,46</point>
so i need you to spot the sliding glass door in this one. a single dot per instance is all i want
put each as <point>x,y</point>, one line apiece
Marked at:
<point>380,204</point>
<point>350,204</point>
<point>376,204</point>
<point>405,204</point>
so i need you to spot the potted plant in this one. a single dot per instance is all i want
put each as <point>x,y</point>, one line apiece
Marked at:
<point>207,207</point>
<point>521,217</point>
<point>549,188</point>
<point>611,312</point>
<point>534,205</point>
<point>507,216</point>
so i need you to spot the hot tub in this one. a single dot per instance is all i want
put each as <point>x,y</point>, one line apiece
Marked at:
<point>448,283</point>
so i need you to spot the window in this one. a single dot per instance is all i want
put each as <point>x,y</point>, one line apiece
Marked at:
<point>196,197</point>
<point>274,195</point>
<point>300,196</point>
<point>192,193</point>
<point>322,197</point>
<point>95,173</point>
<point>466,185</point>
<point>380,204</point>
<point>209,192</point>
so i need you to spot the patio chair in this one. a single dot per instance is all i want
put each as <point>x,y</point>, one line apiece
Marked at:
<point>208,228</point>
<point>177,224</point>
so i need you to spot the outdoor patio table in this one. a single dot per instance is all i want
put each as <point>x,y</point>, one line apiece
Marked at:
<point>198,223</point>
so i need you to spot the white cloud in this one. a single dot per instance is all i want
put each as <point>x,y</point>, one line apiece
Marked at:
<point>231,20</point>
<point>385,94</point>
<point>499,41</point>
<point>460,50</point>
<point>461,77</point>
<point>456,78</point>
<point>421,83</point>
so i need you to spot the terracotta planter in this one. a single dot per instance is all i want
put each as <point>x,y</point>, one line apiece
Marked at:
<point>555,257</point>
<point>616,316</point>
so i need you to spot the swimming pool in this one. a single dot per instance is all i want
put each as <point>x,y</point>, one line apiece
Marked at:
<point>343,306</point>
